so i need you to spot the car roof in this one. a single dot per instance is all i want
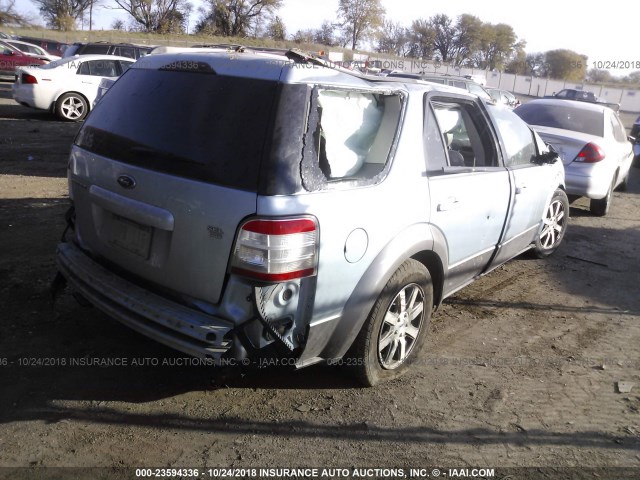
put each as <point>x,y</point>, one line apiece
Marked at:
<point>86,58</point>
<point>21,42</point>
<point>592,107</point>
<point>290,67</point>
<point>114,44</point>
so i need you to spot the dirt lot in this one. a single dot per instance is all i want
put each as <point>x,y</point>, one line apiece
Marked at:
<point>521,368</point>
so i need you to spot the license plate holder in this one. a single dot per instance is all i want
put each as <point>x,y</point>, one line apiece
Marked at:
<point>131,236</point>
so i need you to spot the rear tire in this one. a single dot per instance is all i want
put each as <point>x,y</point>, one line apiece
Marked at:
<point>624,185</point>
<point>72,107</point>
<point>600,207</point>
<point>554,225</point>
<point>395,330</point>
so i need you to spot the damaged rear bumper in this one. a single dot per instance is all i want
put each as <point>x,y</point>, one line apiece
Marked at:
<point>179,327</point>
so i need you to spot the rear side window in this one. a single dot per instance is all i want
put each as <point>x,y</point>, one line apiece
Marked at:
<point>349,137</point>
<point>196,125</point>
<point>125,52</point>
<point>94,49</point>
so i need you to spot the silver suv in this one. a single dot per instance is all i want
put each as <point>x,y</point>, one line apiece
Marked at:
<point>241,206</point>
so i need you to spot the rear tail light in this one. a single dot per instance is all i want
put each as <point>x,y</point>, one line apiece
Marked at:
<point>26,78</point>
<point>590,153</point>
<point>276,250</point>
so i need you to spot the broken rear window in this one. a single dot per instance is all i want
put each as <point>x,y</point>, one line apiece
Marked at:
<point>350,137</point>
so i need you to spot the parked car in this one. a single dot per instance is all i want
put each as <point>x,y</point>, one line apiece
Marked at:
<point>69,86</point>
<point>325,229</point>
<point>635,129</point>
<point>105,48</point>
<point>458,82</point>
<point>4,36</point>
<point>583,96</point>
<point>52,47</point>
<point>32,50</point>
<point>592,143</point>
<point>478,78</point>
<point>504,97</point>
<point>11,58</point>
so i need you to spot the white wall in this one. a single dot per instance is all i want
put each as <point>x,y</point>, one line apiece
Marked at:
<point>629,100</point>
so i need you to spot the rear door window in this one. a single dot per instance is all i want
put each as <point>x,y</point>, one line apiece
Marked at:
<point>467,138</point>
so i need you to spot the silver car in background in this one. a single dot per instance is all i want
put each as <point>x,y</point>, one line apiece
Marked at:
<point>592,143</point>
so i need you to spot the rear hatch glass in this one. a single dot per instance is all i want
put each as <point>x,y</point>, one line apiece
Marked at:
<point>196,125</point>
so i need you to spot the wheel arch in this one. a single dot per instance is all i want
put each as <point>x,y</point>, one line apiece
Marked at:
<point>358,307</point>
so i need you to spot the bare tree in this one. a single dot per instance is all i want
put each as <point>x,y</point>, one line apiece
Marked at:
<point>62,14</point>
<point>152,15</point>
<point>187,9</point>
<point>9,16</point>
<point>118,25</point>
<point>235,17</point>
<point>360,19</point>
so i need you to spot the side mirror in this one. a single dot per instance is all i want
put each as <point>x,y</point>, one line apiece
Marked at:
<point>7,52</point>
<point>632,139</point>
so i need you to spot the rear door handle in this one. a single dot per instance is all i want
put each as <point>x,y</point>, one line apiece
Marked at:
<point>520,188</point>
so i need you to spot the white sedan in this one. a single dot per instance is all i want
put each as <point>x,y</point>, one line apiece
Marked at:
<point>68,87</point>
<point>32,50</point>
<point>592,143</point>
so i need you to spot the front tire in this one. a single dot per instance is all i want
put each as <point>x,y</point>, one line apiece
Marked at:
<point>395,330</point>
<point>554,225</point>
<point>72,107</point>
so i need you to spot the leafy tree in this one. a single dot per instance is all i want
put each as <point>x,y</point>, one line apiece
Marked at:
<point>360,19</point>
<point>600,76</point>
<point>276,29</point>
<point>62,14</point>
<point>393,39</point>
<point>303,36</point>
<point>421,38</point>
<point>444,38</point>
<point>566,65</point>
<point>496,44</point>
<point>235,17</point>
<point>9,16</point>
<point>633,77</point>
<point>465,43</point>
<point>325,35</point>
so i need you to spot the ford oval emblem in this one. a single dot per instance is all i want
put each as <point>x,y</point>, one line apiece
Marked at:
<point>126,181</point>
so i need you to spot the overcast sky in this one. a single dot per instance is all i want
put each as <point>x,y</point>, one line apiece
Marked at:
<point>603,31</point>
